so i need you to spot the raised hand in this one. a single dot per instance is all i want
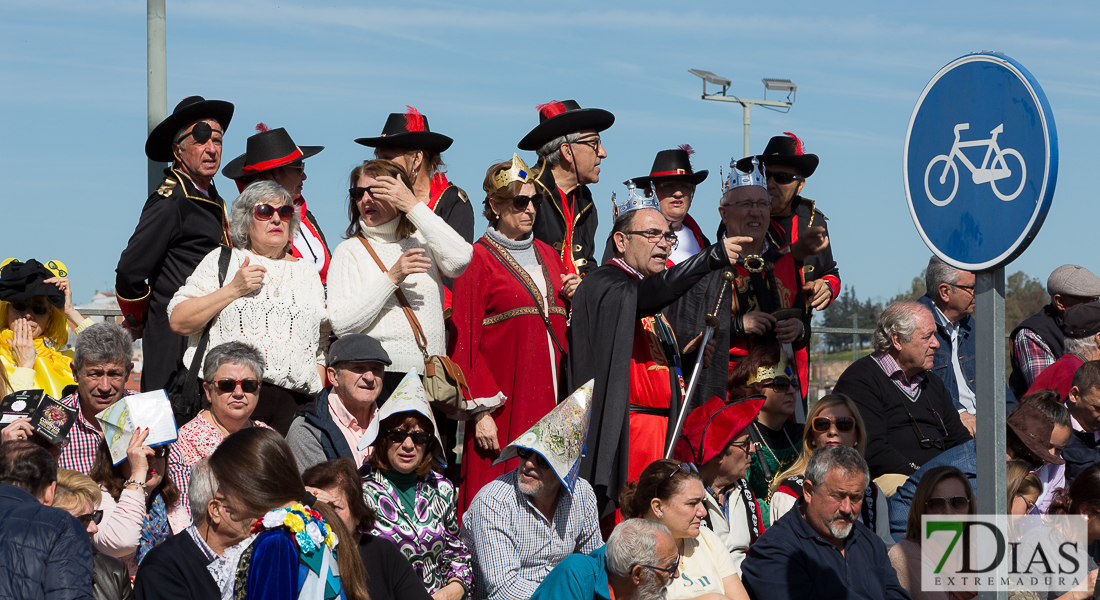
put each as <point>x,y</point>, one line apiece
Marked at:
<point>811,243</point>
<point>22,344</point>
<point>138,454</point>
<point>395,192</point>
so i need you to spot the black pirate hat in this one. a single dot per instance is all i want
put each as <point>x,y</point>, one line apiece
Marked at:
<point>784,149</point>
<point>269,149</point>
<point>193,108</point>
<point>408,130</point>
<point>562,118</point>
<point>671,164</point>
<point>22,281</point>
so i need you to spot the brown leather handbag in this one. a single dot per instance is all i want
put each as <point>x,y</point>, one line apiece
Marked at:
<point>444,381</point>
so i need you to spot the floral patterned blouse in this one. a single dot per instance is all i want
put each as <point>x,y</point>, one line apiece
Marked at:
<point>429,539</point>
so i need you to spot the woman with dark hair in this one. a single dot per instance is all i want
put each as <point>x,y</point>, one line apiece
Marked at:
<point>388,573</point>
<point>672,493</point>
<point>509,325</point>
<point>766,372</point>
<point>415,505</point>
<point>291,551</point>
<point>941,491</point>
<point>138,500</point>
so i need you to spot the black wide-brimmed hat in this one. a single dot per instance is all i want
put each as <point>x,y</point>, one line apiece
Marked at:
<point>671,164</point>
<point>193,108</point>
<point>269,149</point>
<point>408,130</point>
<point>22,281</point>
<point>784,149</point>
<point>562,118</point>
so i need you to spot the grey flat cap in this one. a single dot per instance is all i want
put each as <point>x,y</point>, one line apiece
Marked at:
<point>1072,280</point>
<point>357,347</point>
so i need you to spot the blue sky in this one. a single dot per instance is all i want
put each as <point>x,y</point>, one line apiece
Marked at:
<point>73,100</point>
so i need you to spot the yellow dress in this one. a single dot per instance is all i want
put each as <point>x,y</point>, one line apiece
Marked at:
<point>52,369</point>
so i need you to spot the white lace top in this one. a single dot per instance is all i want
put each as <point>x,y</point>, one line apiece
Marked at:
<point>361,297</point>
<point>284,319</point>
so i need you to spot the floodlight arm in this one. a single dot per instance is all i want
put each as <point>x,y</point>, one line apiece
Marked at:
<point>746,104</point>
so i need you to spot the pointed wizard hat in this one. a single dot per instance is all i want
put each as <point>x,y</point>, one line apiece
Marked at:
<point>559,436</point>
<point>409,396</point>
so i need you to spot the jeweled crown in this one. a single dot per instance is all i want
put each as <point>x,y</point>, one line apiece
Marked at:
<point>634,200</point>
<point>741,179</point>
<point>517,172</point>
<point>782,369</point>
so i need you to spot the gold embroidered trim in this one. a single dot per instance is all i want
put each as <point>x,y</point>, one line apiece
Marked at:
<point>516,312</point>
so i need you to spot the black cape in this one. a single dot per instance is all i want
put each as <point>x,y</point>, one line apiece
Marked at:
<point>605,308</point>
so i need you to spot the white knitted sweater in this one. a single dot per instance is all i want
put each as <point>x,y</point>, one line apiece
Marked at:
<point>285,319</point>
<point>361,297</point>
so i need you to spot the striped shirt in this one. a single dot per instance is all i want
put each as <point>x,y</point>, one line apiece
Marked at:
<point>514,546</point>
<point>84,439</point>
<point>893,370</point>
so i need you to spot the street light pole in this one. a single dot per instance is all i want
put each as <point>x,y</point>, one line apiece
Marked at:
<point>746,103</point>
<point>157,78</point>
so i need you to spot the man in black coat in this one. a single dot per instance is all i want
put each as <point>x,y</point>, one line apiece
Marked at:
<point>45,551</point>
<point>1083,448</point>
<point>182,222</point>
<point>907,411</point>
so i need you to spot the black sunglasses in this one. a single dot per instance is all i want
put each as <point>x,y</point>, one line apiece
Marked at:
<point>520,202</point>
<point>96,516</point>
<point>38,309</point>
<point>784,178</point>
<point>228,386</point>
<point>781,383</point>
<point>264,212</point>
<point>527,453</point>
<point>939,505</point>
<point>925,442</point>
<point>357,192</point>
<point>398,436</point>
<point>823,424</point>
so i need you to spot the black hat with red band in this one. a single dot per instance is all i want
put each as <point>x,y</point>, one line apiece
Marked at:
<point>671,165</point>
<point>191,109</point>
<point>562,118</point>
<point>784,149</point>
<point>267,150</point>
<point>408,130</point>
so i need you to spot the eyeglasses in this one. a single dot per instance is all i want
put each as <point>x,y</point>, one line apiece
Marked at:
<point>593,141</point>
<point>670,571</point>
<point>39,309</point>
<point>744,445</point>
<point>654,236</point>
<point>520,202</point>
<point>784,178</point>
<point>228,386</point>
<point>1028,503</point>
<point>96,516</point>
<point>264,212</point>
<point>823,424</point>
<point>527,453</point>
<point>747,205</point>
<point>968,288</point>
<point>928,443</point>
<point>939,505</point>
<point>300,167</point>
<point>202,132</point>
<point>398,436</point>
<point>780,383</point>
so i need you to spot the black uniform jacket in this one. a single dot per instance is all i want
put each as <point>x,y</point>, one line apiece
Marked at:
<point>550,221</point>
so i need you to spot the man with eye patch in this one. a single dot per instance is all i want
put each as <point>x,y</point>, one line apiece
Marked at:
<point>182,221</point>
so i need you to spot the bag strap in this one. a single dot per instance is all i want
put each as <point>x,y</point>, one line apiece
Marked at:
<point>538,303</point>
<point>200,351</point>
<point>418,331</point>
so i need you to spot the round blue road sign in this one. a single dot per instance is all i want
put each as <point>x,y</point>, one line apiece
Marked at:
<point>981,161</point>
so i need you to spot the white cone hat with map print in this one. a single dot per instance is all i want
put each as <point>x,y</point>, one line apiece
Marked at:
<point>409,396</point>
<point>559,436</point>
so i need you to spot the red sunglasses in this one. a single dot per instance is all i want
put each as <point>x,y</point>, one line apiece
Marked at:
<point>264,212</point>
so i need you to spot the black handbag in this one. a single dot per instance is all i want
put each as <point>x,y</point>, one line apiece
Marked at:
<point>183,388</point>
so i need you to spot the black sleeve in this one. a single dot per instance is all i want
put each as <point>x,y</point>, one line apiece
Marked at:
<point>823,262</point>
<point>459,214</point>
<point>957,433</point>
<point>157,228</point>
<point>389,574</point>
<point>658,291</point>
<point>881,456</point>
<point>608,249</point>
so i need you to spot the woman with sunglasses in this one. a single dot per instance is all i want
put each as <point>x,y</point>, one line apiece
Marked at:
<point>36,314</point>
<point>942,491</point>
<point>138,500</point>
<point>509,324</point>
<point>270,300</point>
<point>78,494</point>
<point>415,505</point>
<point>672,493</point>
<point>833,420</point>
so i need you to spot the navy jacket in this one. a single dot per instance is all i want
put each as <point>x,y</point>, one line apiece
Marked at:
<point>791,561</point>
<point>175,570</point>
<point>44,552</point>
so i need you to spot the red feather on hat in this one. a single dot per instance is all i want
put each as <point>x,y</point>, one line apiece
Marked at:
<point>552,108</point>
<point>799,147</point>
<point>262,128</point>
<point>687,148</point>
<point>414,121</point>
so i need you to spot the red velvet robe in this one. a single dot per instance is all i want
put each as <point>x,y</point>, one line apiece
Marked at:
<point>502,351</point>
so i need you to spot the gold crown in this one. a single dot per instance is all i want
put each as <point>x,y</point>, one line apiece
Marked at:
<point>518,172</point>
<point>771,372</point>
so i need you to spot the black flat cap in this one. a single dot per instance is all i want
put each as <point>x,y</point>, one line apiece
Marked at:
<point>357,347</point>
<point>1082,320</point>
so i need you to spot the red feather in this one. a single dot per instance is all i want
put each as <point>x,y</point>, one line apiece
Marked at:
<point>799,147</point>
<point>414,121</point>
<point>687,148</point>
<point>262,128</point>
<point>552,108</point>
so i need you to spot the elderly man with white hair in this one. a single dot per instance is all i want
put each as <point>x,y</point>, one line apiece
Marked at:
<point>908,412</point>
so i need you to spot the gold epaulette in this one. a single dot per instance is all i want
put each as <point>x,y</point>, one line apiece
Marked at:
<point>462,196</point>
<point>166,187</point>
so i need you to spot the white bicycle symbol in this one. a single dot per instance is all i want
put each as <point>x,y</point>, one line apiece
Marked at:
<point>995,172</point>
